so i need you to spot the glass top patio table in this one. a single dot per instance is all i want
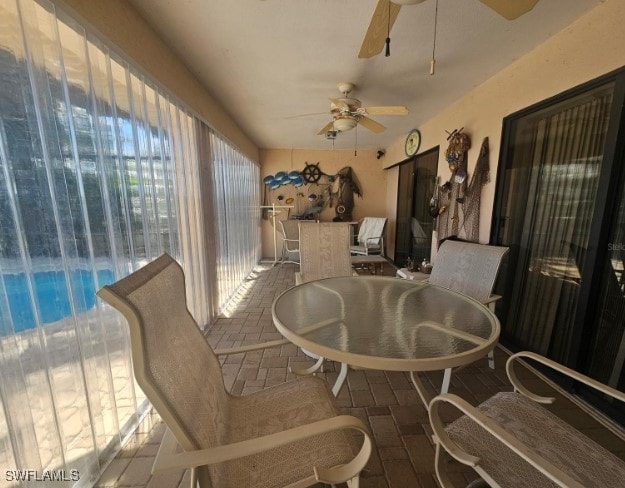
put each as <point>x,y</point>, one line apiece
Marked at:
<point>386,323</point>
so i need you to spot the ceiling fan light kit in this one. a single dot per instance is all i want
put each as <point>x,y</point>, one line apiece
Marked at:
<point>345,123</point>
<point>347,113</point>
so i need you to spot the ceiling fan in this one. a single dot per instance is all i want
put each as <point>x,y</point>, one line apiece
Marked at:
<point>348,112</point>
<point>386,12</point>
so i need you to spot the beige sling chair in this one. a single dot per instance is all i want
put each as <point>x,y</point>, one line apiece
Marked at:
<point>324,251</point>
<point>511,441</point>
<point>288,435</point>
<point>469,268</point>
<point>290,241</point>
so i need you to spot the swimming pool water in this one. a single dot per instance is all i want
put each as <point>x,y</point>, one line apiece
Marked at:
<point>51,295</point>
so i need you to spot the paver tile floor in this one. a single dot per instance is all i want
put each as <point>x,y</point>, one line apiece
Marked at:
<point>386,401</point>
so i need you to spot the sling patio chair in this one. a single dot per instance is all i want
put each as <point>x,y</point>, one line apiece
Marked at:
<point>471,269</point>
<point>324,251</point>
<point>290,434</point>
<point>511,441</point>
<point>290,240</point>
<point>370,236</point>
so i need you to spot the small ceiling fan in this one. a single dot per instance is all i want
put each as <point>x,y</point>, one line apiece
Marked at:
<point>385,13</point>
<point>348,112</point>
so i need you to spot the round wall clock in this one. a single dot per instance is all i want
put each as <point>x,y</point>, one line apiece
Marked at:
<point>413,141</point>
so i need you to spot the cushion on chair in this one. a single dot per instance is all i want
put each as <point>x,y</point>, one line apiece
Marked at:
<point>551,437</point>
<point>371,227</point>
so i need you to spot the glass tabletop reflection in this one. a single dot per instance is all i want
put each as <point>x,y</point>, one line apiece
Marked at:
<point>386,323</point>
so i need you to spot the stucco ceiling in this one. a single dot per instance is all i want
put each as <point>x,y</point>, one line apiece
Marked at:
<point>268,60</point>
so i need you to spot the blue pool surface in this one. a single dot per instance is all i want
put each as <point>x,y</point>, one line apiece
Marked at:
<point>51,295</point>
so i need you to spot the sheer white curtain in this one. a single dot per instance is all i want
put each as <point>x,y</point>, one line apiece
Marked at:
<point>99,174</point>
<point>236,187</point>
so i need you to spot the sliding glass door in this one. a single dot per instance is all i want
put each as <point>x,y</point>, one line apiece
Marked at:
<point>605,339</point>
<point>557,209</point>
<point>417,181</point>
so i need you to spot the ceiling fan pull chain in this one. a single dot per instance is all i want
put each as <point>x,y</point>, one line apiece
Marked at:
<point>387,53</point>
<point>433,62</point>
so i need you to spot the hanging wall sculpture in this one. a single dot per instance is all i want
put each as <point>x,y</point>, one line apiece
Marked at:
<point>344,188</point>
<point>472,196</point>
<point>452,193</point>
<point>308,190</point>
<point>458,201</point>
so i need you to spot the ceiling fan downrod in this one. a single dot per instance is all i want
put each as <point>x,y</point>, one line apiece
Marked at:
<point>387,53</point>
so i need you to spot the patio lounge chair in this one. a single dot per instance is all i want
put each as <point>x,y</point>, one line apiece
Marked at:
<point>370,236</point>
<point>511,441</point>
<point>471,269</point>
<point>324,251</point>
<point>287,435</point>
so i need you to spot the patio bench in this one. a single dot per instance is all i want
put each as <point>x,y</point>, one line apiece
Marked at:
<point>510,440</point>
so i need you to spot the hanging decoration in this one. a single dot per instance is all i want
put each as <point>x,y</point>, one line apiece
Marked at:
<point>312,173</point>
<point>459,144</point>
<point>459,201</point>
<point>452,193</point>
<point>321,191</point>
<point>435,208</point>
<point>472,197</point>
<point>344,188</point>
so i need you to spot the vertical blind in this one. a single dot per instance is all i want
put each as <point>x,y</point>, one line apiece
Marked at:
<point>100,172</point>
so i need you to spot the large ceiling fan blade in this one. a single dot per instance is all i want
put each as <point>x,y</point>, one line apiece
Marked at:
<point>389,110</point>
<point>326,128</point>
<point>371,124</point>
<point>306,115</point>
<point>510,10</point>
<point>380,24</point>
